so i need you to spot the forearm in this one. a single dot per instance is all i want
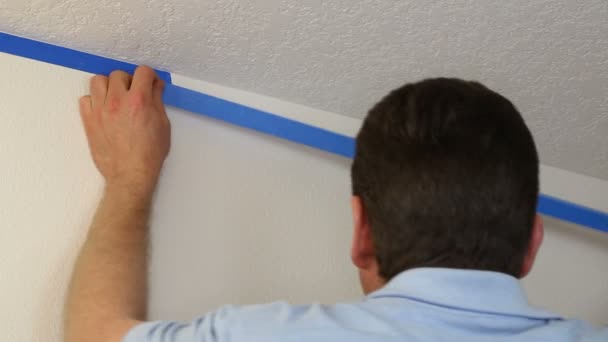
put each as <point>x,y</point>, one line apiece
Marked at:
<point>129,136</point>
<point>109,279</point>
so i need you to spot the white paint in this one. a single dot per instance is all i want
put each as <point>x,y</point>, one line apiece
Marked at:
<point>548,56</point>
<point>48,191</point>
<point>576,188</point>
<point>240,217</point>
<point>570,273</point>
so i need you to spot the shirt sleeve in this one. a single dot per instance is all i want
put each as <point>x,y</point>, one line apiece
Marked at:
<point>209,328</point>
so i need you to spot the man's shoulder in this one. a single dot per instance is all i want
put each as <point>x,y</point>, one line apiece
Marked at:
<point>282,313</point>
<point>363,321</point>
<point>367,321</point>
<point>321,322</point>
<point>598,336</point>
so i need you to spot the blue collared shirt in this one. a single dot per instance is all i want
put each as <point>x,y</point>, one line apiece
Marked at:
<point>424,304</point>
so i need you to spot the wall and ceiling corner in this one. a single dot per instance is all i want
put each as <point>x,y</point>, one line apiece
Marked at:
<point>336,56</point>
<point>548,56</point>
<point>313,128</point>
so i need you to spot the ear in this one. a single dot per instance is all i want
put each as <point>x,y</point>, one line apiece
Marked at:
<point>363,254</point>
<point>536,239</point>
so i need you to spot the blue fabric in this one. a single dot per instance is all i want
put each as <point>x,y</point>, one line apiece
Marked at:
<point>425,304</point>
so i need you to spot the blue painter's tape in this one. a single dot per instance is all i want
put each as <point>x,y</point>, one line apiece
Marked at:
<point>66,57</point>
<point>572,212</point>
<point>252,118</point>
<point>336,143</point>
<point>258,120</point>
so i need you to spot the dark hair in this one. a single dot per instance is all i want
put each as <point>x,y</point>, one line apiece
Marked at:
<point>448,174</point>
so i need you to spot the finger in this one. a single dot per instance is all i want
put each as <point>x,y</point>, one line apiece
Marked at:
<point>143,81</point>
<point>99,89</point>
<point>119,83</point>
<point>85,104</point>
<point>86,114</point>
<point>158,89</point>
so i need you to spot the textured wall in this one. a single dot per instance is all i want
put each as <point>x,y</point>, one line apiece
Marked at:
<point>239,217</point>
<point>549,56</point>
<point>48,188</point>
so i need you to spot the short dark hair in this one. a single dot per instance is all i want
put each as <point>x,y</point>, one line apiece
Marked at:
<point>448,175</point>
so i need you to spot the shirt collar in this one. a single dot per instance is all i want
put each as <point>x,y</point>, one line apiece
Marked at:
<point>469,290</point>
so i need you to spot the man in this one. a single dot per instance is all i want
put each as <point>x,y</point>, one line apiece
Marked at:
<point>445,185</point>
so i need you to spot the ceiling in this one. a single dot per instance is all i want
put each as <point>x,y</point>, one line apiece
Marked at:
<point>549,56</point>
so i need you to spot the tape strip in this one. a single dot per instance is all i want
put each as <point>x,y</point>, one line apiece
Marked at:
<point>572,212</point>
<point>252,118</point>
<point>258,120</point>
<point>69,58</point>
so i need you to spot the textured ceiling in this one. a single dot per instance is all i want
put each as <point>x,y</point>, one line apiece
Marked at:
<point>549,56</point>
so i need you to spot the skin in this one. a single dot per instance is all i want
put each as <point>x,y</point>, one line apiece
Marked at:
<point>129,137</point>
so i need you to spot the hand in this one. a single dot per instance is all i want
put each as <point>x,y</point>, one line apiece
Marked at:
<point>127,128</point>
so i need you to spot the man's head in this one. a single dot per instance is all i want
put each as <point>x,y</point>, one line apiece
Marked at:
<point>445,175</point>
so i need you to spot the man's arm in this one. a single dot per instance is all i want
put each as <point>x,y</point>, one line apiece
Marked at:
<point>129,137</point>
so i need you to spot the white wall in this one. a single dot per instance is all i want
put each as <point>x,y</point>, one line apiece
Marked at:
<point>548,56</point>
<point>239,218</point>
